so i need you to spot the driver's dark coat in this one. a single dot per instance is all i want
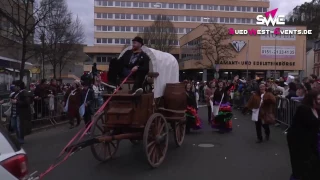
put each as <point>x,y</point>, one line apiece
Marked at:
<point>142,61</point>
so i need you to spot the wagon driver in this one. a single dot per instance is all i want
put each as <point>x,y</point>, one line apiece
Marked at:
<point>134,60</point>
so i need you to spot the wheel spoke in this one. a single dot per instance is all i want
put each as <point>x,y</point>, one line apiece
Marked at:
<point>156,155</point>
<point>150,144</point>
<point>151,150</point>
<point>100,128</point>
<point>104,153</point>
<point>153,154</point>
<point>109,149</point>
<point>113,144</point>
<point>161,127</point>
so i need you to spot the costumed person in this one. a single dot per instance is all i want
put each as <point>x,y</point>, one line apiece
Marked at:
<point>220,101</point>
<point>134,60</point>
<point>72,102</point>
<point>87,99</point>
<point>262,104</point>
<point>304,139</point>
<point>193,120</point>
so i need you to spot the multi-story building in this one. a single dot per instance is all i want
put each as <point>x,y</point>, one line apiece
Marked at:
<point>117,22</point>
<point>266,55</point>
<point>316,48</point>
<point>11,20</point>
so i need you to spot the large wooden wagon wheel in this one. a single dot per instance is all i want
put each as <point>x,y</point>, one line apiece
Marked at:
<point>156,139</point>
<point>179,131</point>
<point>105,150</point>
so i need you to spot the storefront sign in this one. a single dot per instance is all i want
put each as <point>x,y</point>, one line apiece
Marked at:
<point>280,52</point>
<point>238,45</point>
<point>257,63</point>
<point>272,36</point>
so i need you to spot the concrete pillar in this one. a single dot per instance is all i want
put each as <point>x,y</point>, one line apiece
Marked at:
<point>204,75</point>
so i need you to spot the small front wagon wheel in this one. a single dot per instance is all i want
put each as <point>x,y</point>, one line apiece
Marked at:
<point>156,139</point>
<point>102,151</point>
<point>179,132</point>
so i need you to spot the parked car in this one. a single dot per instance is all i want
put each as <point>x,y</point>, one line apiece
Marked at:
<point>13,159</point>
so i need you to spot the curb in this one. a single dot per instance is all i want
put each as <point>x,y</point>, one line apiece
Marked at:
<point>48,127</point>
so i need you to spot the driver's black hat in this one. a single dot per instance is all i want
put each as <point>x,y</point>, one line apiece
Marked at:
<point>138,39</point>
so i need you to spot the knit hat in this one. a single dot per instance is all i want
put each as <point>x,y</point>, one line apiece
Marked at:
<point>138,39</point>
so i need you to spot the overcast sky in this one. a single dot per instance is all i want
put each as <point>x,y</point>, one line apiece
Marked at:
<point>84,10</point>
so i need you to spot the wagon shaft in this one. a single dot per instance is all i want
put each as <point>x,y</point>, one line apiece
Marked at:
<point>81,145</point>
<point>119,137</point>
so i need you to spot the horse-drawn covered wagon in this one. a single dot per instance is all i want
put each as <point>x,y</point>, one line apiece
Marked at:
<point>143,117</point>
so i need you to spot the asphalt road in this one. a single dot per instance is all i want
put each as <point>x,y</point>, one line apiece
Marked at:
<point>234,156</point>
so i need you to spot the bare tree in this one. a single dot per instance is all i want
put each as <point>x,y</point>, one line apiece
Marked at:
<point>161,35</point>
<point>22,18</point>
<point>60,36</point>
<point>214,45</point>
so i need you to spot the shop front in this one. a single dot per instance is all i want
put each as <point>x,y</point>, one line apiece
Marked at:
<point>259,55</point>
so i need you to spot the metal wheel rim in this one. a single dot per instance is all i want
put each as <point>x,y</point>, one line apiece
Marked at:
<point>105,150</point>
<point>156,139</point>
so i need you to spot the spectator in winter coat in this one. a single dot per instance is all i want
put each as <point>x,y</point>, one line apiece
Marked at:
<point>301,92</point>
<point>292,90</point>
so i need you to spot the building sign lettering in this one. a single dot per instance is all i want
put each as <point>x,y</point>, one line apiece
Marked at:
<point>282,37</point>
<point>257,63</point>
<point>281,52</point>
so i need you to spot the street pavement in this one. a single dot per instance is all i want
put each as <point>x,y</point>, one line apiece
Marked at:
<point>233,156</point>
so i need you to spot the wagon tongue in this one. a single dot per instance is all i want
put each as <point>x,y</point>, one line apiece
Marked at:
<point>77,147</point>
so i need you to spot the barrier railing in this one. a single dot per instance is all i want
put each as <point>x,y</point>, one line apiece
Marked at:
<point>45,112</point>
<point>285,110</point>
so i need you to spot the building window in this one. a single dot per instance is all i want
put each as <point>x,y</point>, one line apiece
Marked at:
<point>98,40</point>
<point>135,29</point>
<point>104,28</point>
<point>135,4</point>
<point>128,4</point>
<point>123,16</point>
<point>255,9</point>
<point>149,17</point>
<point>141,29</point>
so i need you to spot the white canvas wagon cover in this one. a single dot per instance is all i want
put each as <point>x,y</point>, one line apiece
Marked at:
<point>163,63</point>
